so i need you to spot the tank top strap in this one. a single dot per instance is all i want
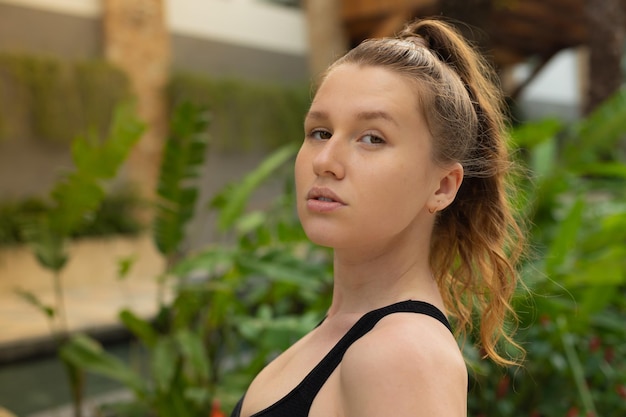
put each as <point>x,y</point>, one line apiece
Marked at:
<point>298,401</point>
<point>314,381</point>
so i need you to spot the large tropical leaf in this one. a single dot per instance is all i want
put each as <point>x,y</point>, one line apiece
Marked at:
<point>177,191</point>
<point>141,328</point>
<point>596,136</point>
<point>232,201</point>
<point>88,354</point>
<point>80,192</point>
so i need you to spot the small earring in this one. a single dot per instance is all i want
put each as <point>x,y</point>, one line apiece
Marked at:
<point>432,210</point>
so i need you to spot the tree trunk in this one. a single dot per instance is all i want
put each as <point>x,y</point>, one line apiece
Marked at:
<point>136,40</point>
<point>606,21</point>
<point>327,37</point>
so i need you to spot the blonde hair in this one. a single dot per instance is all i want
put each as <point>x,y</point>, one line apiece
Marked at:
<point>476,242</point>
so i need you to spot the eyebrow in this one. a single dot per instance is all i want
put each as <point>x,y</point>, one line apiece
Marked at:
<point>373,115</point>
<point>364,115</point>
<point>317,115</point>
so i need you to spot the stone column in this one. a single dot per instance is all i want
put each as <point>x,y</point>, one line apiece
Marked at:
<point>136,40</point>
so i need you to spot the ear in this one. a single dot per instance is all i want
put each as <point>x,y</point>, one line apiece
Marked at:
<point>449,183</point>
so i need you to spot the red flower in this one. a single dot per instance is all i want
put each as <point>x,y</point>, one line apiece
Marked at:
<point>216,410</point>
<point>595,343</point>
<point>503,386</point>
<point>621,390</point>
<point>573,412</point>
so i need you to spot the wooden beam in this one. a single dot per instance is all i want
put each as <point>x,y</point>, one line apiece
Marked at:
<point>538,21</point>
<point>510,31</point>
<point>505,57</point>
<point>542,15</point>
<point>527,35</point>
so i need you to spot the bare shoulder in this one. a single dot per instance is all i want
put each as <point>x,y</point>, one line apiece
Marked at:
<point>408,365</point>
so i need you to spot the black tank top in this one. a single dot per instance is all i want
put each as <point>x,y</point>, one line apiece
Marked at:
<point>298,401</point>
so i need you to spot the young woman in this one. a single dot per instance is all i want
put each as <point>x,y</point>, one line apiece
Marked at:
<point>402,172</point>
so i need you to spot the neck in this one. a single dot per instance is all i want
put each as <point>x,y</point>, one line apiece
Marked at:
<point>371,278</point>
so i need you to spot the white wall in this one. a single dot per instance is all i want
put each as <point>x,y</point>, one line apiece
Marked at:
<point>558,82</point>
<point>88,8</point>
<point>252,23</point>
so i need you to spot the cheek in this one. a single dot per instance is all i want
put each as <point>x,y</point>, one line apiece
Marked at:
<point>402,192</point>
<point>302,173</point>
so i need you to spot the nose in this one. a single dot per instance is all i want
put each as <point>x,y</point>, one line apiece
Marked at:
<point>330,158</point>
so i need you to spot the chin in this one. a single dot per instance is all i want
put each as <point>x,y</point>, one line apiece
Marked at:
<point>322,235</point>
<point>326,231</point>
<point>320,239</point>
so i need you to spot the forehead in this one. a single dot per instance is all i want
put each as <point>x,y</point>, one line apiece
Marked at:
<point>351,83</point>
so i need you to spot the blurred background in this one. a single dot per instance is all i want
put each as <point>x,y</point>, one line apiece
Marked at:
<point>150,258</point>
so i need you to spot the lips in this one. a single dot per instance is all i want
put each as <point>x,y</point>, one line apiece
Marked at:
<point>323,200</point>
<point>323,194</point>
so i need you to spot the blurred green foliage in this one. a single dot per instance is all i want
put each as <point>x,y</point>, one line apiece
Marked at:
<point>177,188</point>
<point>55,100</point>
<point>573,312</point>
<point>112,217</point>
<point>245,116</point>
<point>75,196</point>
<point>235,304</point>
<point>178,366</point>
<point>80,192</point>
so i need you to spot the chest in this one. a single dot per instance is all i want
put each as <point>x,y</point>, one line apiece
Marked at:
<point>287,373</point>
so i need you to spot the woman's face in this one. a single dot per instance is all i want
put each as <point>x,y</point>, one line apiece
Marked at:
<point>364,174</point>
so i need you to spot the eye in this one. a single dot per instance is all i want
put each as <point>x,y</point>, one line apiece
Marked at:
<point>371,139</point>
<point>320,134</point>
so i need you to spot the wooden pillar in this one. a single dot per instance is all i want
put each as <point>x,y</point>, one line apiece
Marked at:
<point>136,40</point>
<point>327,37</point>
<point>606,21</point>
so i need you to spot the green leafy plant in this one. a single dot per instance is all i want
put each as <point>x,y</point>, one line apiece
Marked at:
<point>177,191</point>
<point>253,291</point>
<point>73,198</point>
<point>79,194</point>
<point>236,303</point>
<point>572,318</point>
<point>110,218</point>
<point>177,366</point>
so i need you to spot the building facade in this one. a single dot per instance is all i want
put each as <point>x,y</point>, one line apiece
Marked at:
<point>252,39</point>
